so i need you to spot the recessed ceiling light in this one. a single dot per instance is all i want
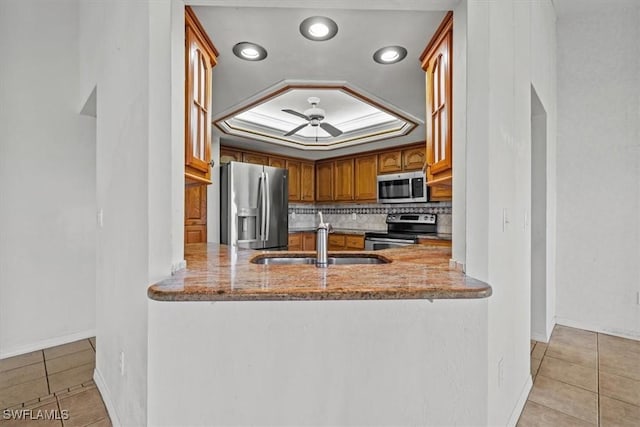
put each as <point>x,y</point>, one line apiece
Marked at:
<point>389,54</point>
<point>249,51</point>
<point>318,28</point>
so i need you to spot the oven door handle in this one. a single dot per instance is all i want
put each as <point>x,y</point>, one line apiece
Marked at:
<point>383,240</point>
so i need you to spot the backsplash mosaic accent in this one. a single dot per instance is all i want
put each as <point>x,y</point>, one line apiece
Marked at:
<point>369,217</point>
<point>436,208</point>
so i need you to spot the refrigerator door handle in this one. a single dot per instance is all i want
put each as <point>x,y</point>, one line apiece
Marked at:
<point>268,210</point>
<point>263,203</point>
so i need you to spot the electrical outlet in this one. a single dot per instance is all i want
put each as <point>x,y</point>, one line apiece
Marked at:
<point>293,215</point>
<point>500,372</point>
<point>354,216</point>
<point>121,362</point>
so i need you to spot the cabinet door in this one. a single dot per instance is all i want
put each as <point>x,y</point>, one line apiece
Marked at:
<point>337,242</point>
<point>324,182</point>
<point>390,162</point>
<point>294,180</point>
<point>277,162</point>
<point>309,241</point>
<point>413,158</point>
<point>366,171</point>
<point>199,59</point>
<point>343,180</point>
<point>438,66</point>
<point>354,242</point>
<point>307,185</point>
<point>295,242</point>
<point>255,158</point>
<point>195,214</point>
<point>228,155</point>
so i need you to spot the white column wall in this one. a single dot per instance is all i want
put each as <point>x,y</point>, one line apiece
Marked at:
<point>47,181</point>
<point>508,44</point>
<point>599,169</point>
<point>138,181</point>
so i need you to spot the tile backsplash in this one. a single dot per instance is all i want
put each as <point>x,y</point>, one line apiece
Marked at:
<point>369,217</point>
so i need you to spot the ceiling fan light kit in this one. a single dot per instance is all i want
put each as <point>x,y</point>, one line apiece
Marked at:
<point>314,117</point>
<point>249,51</point>
<point>318,28</point>
<point>389,54</point>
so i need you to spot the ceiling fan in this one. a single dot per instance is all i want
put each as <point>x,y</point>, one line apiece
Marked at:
<point>314,116</point>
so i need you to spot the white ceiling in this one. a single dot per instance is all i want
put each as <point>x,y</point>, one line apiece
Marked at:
<point>346,57</point>
<point>575,7</point>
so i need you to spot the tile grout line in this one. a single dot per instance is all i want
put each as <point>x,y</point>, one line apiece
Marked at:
<point>46,372</point>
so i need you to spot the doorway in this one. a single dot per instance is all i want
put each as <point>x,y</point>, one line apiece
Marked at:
<point>539,297</point>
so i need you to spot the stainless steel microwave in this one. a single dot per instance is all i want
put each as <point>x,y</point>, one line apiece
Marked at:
<point>408,187</point>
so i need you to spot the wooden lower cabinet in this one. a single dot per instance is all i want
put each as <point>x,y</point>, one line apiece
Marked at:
<point>337,242</point>
<point>309,241</point>
<point>354,242</point>
<point>346,242</point>
<point>195,214</point>
<point>294,242</point>
<point>302,241</point>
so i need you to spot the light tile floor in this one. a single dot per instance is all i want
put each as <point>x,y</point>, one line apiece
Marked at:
<point>583,378</point>
<point>52,387</point>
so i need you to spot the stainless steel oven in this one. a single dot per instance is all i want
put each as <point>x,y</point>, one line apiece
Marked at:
<point>402,230</point>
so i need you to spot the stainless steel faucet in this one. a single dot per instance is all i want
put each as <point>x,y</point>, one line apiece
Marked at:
<point>322,243</point>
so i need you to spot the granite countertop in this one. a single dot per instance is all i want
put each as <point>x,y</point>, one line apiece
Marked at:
<point>334,230</point>
<point>222,273</point>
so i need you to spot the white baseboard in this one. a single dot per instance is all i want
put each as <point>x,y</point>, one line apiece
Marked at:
<point>536,336</point>
<point>522,400</point>
<point>49,342</point>
<point>106,397</point>
<point>633,335</point>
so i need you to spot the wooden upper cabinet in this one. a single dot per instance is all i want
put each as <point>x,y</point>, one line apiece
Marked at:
<point>324,182</point>
<point>293,168</point>
<point>307,182</point>
<point>228,155</point>
<point>437,63</point>
<point>365,182</point>
<point>390,162</point>
<point>200,58</point>
<point>255,158</point>
<point>343,180</point>
<point>413,158</point>
<point>277,162</point>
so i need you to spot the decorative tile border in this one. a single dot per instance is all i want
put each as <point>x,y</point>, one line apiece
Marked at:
<point>372,209</point>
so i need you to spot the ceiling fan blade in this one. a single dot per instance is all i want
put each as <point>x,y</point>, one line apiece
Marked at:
<point>291,132</point>
<point>331,129</point>
<point>295,113</point>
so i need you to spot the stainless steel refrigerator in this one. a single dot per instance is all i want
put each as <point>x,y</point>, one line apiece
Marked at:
<point>254,202</point>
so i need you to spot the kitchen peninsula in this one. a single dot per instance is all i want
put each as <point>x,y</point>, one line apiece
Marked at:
<point>248,344</point>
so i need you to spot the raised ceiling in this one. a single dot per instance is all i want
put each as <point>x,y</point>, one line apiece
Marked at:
<point>360,117</point>
<point>348,57</point>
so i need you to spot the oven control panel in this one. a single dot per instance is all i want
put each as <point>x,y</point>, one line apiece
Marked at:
<point>411,218</point>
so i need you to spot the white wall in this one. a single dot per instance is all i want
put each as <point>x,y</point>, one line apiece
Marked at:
<point>136,182</point>
<point>332,363</point>
<point>509,45</point>
<point>599,169</point>
<point>47,181</point>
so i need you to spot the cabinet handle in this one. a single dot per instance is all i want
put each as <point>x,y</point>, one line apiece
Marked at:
<point>212,163</point>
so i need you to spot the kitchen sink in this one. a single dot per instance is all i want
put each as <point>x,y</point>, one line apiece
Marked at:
<point>336,259</point>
